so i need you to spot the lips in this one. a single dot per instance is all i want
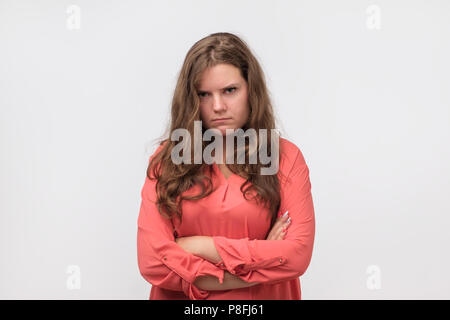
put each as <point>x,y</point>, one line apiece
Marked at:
<point>221,119</point>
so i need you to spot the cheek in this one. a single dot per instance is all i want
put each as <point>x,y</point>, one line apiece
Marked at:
<point>205,117</point>
<point>203,113</point>
<point>244,109</point>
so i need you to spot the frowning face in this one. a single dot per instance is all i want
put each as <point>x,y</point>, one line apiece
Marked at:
<point>223,94</point>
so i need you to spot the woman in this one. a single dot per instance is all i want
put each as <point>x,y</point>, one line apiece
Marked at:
<point>224,231</point>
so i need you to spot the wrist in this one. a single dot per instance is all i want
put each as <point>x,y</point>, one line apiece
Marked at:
<point>205,248</point>
<point>198,245</point>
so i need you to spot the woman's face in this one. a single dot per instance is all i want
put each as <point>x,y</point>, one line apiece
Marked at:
<point>223,94</point>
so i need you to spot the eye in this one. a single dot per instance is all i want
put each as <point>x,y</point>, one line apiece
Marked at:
<point>231,88</point>
<point>201,94</point>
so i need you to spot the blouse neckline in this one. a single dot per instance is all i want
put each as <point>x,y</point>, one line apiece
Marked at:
<point>222,177</point>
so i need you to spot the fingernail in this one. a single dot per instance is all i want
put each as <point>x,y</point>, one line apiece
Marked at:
<point>284,215</point>
<point>288,220</point>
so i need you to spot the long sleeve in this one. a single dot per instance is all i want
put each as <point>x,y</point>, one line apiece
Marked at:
<point>162,262</point>
<point>273,261</point>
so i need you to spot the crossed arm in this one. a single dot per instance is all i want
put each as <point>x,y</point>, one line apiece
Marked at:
<point>249,261</point>
<point>203,246</point>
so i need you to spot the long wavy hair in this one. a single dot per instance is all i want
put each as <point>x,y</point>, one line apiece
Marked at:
<point>174,179</point>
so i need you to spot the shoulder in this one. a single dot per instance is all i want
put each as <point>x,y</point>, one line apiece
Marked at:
<point>158,148</point>
<point>155,164</point>
<point>291,157</point>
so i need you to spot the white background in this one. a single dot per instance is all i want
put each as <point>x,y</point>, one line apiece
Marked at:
<point>368,107</point>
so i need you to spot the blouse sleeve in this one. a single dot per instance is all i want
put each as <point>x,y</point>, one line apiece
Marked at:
<point>162,262</point>
<point>273,261</point>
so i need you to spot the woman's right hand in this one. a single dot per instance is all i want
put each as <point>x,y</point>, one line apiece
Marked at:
<point>278,230</point>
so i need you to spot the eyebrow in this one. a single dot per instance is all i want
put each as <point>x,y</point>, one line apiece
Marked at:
<point>228,86</point>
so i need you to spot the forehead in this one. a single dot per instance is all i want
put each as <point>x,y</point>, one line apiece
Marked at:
<point>219,77</point>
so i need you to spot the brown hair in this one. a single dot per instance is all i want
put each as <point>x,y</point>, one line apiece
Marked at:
<point>173,179</point>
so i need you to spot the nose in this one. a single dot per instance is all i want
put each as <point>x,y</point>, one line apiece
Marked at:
<point>218,104</point>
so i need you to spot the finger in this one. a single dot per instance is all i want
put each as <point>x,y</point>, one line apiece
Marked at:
<point>271,234</point>
<point>283,232</point>
<point>281,220</point>
<point>284,224</point>
<point>284,216</point>
<point>279,233</point>
<point>287,222</point>
<point>278,225</point>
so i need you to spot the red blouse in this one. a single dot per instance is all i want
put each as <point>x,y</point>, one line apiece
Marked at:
<point>238,228</point>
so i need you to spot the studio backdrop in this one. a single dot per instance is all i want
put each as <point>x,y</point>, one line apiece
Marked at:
<point>361,87</point>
